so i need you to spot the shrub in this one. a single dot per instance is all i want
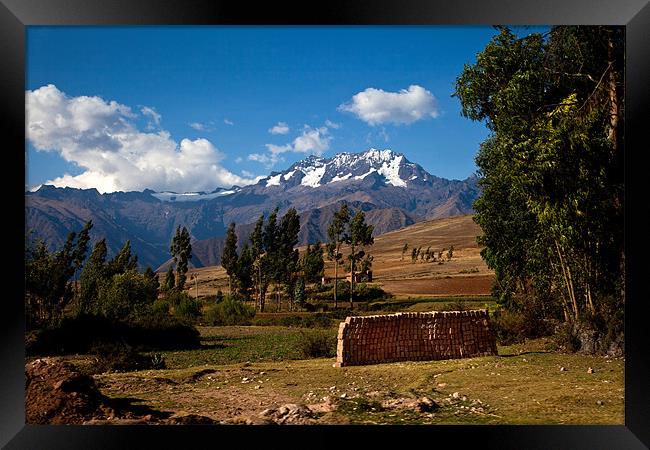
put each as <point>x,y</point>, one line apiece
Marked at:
<point>160,307</point>
<point>119,357</point>
<point>188,308</point>
<point>81,333</point>
<point>511,326</point>
<point>565,339</point>
<point>229,312</point>
<point>317,344</point>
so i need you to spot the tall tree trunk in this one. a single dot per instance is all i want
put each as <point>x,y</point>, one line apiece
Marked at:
<point>336,283</point>
<point>352,256</point>
<point>567,281</point>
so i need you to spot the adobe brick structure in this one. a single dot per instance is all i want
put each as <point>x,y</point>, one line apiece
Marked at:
<point>414,337</point>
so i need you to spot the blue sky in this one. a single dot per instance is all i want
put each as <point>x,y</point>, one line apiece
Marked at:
<point>216,93</point>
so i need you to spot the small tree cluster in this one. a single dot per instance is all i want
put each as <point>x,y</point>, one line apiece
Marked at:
<point>268,256</point>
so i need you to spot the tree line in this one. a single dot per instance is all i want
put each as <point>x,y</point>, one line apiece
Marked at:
<point>268,256</point>
<point>551,170</point>
<point>65,281</point>
<point>428,254</point>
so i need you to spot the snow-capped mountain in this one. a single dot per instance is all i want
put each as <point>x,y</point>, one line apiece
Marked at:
<point>392,191</point>
<point>314,172</point>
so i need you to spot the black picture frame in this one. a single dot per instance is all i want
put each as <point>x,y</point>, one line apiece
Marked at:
<point>16,15</point>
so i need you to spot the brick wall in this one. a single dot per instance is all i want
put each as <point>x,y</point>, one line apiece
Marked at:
<point>414,337</point>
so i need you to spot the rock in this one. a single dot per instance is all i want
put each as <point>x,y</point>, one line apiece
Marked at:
<point>562,369</point>
<point>425,404</point>
<point>600,402</point>
<point>590,370</point>
<point>442,385</point>
<point>455,395</point>
<point>344,395</point>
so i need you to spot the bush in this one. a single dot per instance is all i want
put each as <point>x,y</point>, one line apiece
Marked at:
<point>230,311</point>
<point>188,308</point>
<point>160,307</point>
<point>512,327</point>
<point>565,338</point>
<point>82,333</point>
<point>317,344</point>
<point>119,357</point>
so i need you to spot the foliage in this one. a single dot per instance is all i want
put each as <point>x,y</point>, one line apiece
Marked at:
<point>312,262</point>
<point>551,171</point>
<point>181,250</point>
<point>170,280</point>
<point>126,295</point>
<point>318,345</point>
<point>229,255</point>
<point>78,334</point>
<point>337,234</point>
<point>47,277</point>
<point>230,311</point>
<point>299,294</point>
<point>188,308</point>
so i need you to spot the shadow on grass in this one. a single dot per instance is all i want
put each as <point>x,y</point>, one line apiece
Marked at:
<point>133,405</point>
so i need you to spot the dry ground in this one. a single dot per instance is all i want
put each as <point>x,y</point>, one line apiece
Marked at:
<point>465,274</point>
<point>523,385</point>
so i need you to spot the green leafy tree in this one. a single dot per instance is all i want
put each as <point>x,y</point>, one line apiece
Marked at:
<point>337,234</point>
<point>359,237</point>
<point>404,249</point>
<point>123,261</point>
<point>93,274</point>
<point>244,272</point>
<point>170,280</point>
<point>299,294</point>
<point>256,239</point>
<point>272,260</point>
<point>288,256</point>
<point>181,250</point>
<point>127,296</point>
<point>312,263</point>
<point>229,255</point>
<point>414,255</point>
<point>551,171</point>
<point>47,277</point>
<point>450,253</point>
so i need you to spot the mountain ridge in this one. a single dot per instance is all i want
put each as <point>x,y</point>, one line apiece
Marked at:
<point>390,189</point>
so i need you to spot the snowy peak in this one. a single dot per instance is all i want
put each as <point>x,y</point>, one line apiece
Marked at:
<point>392,168</point>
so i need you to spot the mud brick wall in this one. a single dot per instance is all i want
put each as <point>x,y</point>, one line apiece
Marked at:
<point>414,337</point>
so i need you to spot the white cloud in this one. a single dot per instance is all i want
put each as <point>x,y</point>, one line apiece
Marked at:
<point>228,122</point>
<point>248,174</point>
<point>311,141</point>
<point>333,125</point>
<point>153,114</point>
<point>101,137</point>
<point>268,160</point>
<point>197,126</point>
<point>280,128</point>
<point>376,107</point>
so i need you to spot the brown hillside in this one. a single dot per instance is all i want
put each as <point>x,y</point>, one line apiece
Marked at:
<point>465,274</point>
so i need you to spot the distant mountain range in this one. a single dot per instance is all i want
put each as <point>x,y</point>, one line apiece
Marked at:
<point>391,190</point>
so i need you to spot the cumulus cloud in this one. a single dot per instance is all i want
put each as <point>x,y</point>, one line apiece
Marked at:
<point>280,128</point>
<point>102,138</point>
<point>376,106</point>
